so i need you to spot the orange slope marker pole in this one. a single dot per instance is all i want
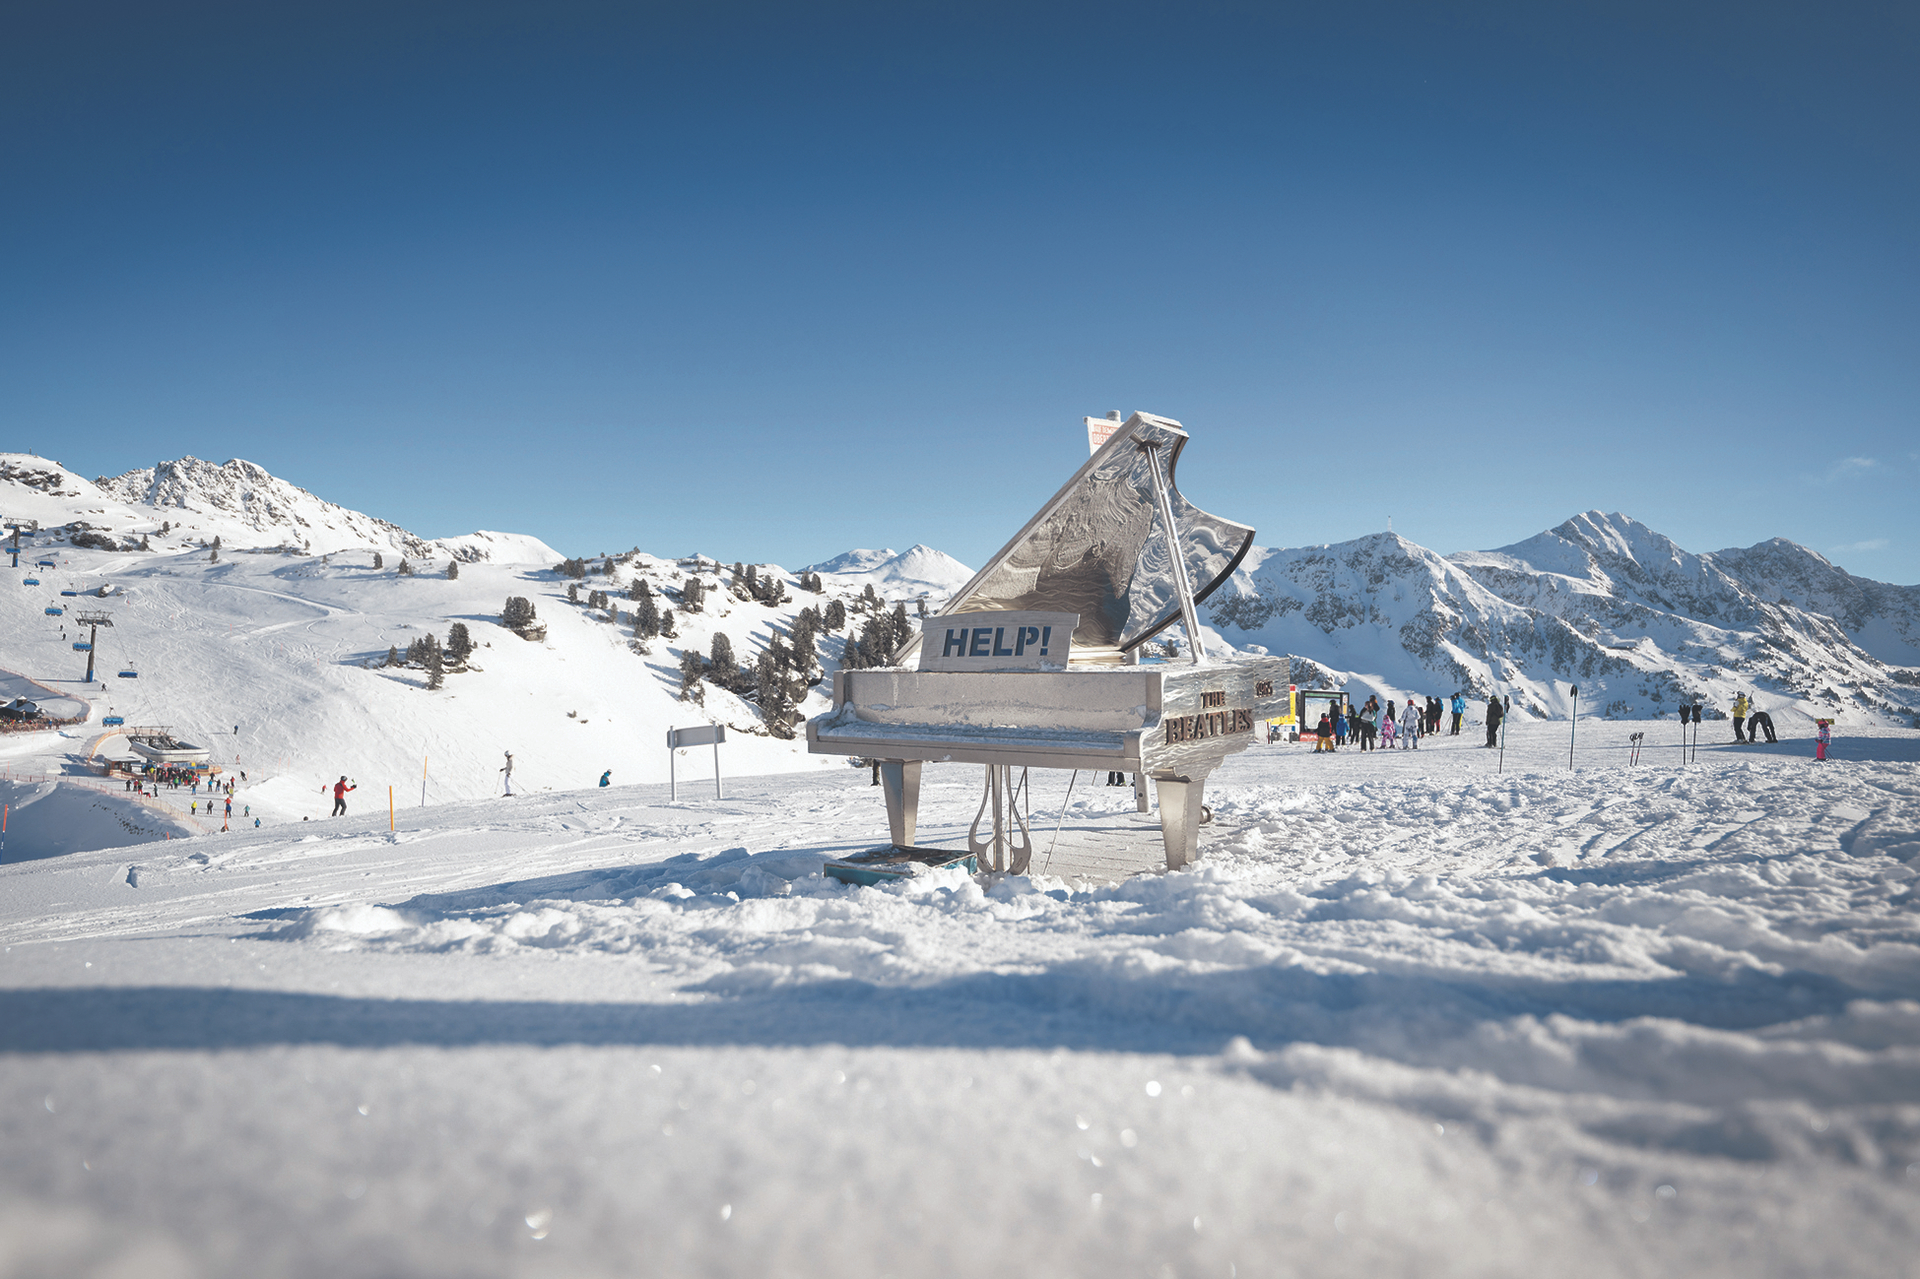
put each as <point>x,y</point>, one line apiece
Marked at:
<point>389,808</point>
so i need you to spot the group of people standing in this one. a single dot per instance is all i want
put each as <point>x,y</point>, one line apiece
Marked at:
<point>1375,727</point>
<point>1404,724</point>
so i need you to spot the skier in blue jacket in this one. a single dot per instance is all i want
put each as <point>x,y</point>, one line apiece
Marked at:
<point>1459,709</point>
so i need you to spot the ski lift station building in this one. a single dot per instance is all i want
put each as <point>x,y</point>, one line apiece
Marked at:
<point>164,750</point>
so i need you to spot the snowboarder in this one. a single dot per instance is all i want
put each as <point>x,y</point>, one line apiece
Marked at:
<point>1459,712</point>
<point>1495,713</point>
<point>340,789</point>
<point>1822,738</point>
<point>1756,721</point>
<point>1739,717</point>
<point>606,778</point>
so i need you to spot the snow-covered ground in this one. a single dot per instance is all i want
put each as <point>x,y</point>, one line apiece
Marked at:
<point>1408,1016</point>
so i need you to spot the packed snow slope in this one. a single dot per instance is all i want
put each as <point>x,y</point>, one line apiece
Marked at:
<point>1409,1015</point>
<point>1601,602</point>
<point>271,649</point>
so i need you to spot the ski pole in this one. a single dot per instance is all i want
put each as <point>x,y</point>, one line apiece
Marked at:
<point>1575,729</point>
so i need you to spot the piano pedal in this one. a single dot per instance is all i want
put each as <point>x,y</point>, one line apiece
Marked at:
<point>892,863</point>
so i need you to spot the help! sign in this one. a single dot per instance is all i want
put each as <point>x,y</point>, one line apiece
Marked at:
<point>1008,641</point>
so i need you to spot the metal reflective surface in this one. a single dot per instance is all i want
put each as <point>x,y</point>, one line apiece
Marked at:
<point>1097,548</point>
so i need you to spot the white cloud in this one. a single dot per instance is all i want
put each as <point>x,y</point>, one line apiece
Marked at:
<point>1848,467</point>
<point>1871,544</point>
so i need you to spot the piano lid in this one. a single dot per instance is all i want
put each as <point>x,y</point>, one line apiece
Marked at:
<point>1096,547</point>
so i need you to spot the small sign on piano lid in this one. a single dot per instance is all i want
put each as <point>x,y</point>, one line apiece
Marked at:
<point>1022,640</point>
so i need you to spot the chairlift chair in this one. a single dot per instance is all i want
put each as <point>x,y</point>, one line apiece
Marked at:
<point>113,721</point>
<point>43,564</point>
<point>29,581</point>
<point>81,646</point>
<point>54,610</point>
<point>74,593</point>
<point>129,673</point>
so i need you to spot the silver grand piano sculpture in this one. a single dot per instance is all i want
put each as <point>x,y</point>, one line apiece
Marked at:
<point>1036,663</point>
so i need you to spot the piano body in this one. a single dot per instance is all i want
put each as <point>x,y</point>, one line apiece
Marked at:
<point>1041,661</point>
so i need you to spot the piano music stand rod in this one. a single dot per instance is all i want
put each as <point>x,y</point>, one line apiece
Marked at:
<point>1189,615</point>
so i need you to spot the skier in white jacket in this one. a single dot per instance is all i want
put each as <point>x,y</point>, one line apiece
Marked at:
<point>1410,727</point>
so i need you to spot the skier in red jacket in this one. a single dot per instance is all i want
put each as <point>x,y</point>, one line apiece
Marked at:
<point>340,789</point>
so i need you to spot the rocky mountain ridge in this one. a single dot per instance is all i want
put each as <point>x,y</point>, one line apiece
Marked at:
<point>1602,602</point>
<point>189,503</point>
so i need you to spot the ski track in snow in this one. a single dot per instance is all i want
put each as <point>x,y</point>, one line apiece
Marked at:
<point>1407,1016</point>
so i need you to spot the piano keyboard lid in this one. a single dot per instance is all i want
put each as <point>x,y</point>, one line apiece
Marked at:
<point>1096,548</point>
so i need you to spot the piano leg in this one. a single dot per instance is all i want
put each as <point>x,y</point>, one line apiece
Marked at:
<point>1140,792</point>
<point>901,780</point>
<point>1180,817</point>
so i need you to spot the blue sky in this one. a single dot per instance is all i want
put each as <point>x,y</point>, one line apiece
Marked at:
<point>773,281</point>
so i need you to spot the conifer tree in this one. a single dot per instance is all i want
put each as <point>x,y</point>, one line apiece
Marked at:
<point>836,616</point>
<point>850,655</point>
<point>405,569</point>
<point>459,643</point>
<point>693,596</point>
<point>453,569</point>
<point>691,669</point>
<point>379,561</point>
<point>144,544</point>
<point>646,617</point>
<point>721,656</point>
<point>868,598</point>
<point>638,588</point>
<point>573,592</point>
<point>666,623</point>
<point>902,628</point>
<point>921,604</point>
<point>393,656</point>
<point>216,541</point>
<point>436,669</point>
<point>213,557</point>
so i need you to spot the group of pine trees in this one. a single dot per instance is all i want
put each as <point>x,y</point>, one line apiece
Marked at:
<point>811,582</point>
<point>427,653</point>
<point>775,684</point>
<point>749,584</point>
<point>520,618</point>
<point>649,619</point>
<point>879,639</point>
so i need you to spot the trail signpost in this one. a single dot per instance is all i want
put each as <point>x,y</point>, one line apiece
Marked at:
<point>679,738</point>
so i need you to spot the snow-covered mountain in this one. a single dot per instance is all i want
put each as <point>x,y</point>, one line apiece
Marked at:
<point>918,570</point>
<point>238,502</point>
<point>1601,601</point>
